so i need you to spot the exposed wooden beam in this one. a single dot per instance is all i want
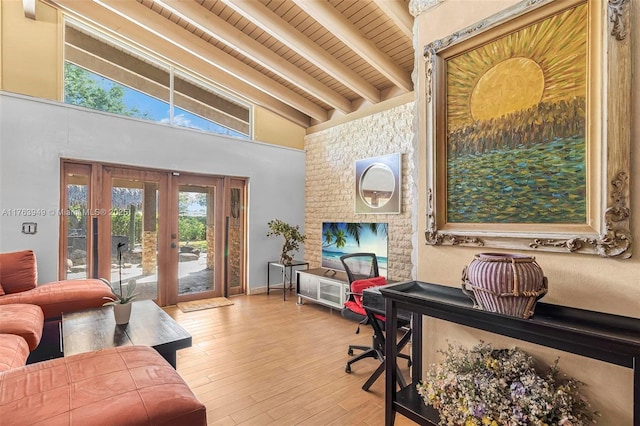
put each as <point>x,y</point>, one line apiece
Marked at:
<point>341,28</point>
<point>398,11</point>
<point>29,7</point>
<point>173,33</point>
<point>117,26</point>
<point>261,16</point>
<point>218,28</point>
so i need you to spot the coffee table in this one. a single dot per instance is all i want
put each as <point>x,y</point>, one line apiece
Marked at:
<point>94,329</point>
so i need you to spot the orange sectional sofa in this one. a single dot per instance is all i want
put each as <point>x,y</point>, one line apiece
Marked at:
<point>127,385</point>
<point>18,284</point>
<point>26,321</point>
<point>14,351</point>
<point>132,385</point>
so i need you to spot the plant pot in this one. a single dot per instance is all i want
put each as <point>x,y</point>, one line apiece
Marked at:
<point>505,283</point>
<point>122,313</point>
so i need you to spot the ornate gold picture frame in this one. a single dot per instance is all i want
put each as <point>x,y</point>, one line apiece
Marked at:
<point>528,130</point>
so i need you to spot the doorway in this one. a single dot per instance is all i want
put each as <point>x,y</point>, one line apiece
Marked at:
<point>180,236</point>
<point>195,238</point>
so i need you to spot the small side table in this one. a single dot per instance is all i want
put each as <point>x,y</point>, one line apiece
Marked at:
<point>290,266</point>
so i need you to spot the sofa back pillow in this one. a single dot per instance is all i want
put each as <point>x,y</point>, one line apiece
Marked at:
<point>18,271</point>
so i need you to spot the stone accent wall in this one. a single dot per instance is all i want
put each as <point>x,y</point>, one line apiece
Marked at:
<point>330,181</point>
<point>211,244</point>
<point>235,255</point>
<point>149,244</point>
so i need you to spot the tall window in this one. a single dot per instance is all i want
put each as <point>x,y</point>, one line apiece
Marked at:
<point>103,74</point>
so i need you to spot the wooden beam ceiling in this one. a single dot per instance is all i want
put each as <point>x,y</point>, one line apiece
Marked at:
<point>340,26</point>
<point>309,61</point>
<point>217,27</point>
<point>397,10</point>
<point>117,26</point>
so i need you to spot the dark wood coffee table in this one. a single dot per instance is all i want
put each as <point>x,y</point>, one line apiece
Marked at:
<point>93,329</point>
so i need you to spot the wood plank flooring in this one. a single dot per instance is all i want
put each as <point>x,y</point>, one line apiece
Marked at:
<point>262,361</point>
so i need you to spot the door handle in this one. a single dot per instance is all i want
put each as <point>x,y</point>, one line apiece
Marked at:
<point>173,245</point>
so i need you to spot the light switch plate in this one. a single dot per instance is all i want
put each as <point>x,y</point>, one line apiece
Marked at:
<point>29,228</point>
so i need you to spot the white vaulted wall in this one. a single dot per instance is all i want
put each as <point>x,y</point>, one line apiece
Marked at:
<point>35,134</point>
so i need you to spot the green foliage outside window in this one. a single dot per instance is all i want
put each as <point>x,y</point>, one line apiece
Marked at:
<point>192,228</point>
<point>120,225</point>
<point>82,89</point>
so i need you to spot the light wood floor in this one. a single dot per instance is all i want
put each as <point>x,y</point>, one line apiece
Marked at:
<point>263,361</point>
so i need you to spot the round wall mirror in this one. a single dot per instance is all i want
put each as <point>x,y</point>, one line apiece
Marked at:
<point>377,184</point>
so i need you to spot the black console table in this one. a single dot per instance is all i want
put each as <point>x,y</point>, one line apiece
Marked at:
<point>610,338</point>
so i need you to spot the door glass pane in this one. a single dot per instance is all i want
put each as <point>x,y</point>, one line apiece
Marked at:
<point>196,239</point>
<point>134,235</point>
<point>77,219</point>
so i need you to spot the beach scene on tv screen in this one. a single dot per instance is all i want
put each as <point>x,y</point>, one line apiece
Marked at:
<point>340,238</point>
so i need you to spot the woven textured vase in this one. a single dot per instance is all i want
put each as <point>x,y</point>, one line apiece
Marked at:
<point>505,283</point>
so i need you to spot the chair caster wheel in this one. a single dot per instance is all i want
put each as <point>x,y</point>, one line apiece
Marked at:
<point>347,369</point>
<point>350,352</point>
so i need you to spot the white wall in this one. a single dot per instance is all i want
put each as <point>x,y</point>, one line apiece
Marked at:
<point>35,134</point>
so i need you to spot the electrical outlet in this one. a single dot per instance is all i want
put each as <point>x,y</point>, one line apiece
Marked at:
<point>29,228</point>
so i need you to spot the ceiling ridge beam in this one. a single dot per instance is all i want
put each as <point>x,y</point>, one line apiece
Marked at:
<point>264,18</point>
<point>398,11</point>
<point>218,28</point>
<point>155,23</point>
<point>334,21</point>
<point>116,25</point>
<point>29,7</point>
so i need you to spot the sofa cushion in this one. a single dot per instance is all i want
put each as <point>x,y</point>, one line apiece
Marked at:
<point>130,385</point>
<point>63,296</point>
<point>14,351</point>
<point>22,320</point>
<point>18,271</point>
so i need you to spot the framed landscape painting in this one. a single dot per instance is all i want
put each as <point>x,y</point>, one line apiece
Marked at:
<point>520,153</point>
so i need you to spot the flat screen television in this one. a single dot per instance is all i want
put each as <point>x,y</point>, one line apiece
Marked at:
<point>340,238</point>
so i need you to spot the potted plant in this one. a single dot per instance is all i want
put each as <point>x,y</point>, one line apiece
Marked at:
<point>121,302</point>
<point>292,238</point>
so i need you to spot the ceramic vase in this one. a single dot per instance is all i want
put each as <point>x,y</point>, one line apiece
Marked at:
<point>122,313</point>
<point>506,283</point>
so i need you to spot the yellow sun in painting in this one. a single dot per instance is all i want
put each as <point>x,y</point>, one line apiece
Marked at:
<point>543,62</point>
<point>511,85</point>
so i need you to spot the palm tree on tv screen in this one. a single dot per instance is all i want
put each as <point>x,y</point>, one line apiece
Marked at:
<point>336,235</point>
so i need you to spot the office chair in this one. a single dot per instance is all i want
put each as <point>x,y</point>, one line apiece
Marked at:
<point>362,271</point>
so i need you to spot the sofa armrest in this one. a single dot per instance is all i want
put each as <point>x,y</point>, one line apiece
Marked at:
<point>18,271</point>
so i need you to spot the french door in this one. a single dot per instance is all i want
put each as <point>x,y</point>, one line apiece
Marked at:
<point>179,236</point>
<point>195,236</point>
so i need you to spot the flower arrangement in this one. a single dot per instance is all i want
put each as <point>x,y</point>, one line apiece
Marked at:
<point>494,387</point>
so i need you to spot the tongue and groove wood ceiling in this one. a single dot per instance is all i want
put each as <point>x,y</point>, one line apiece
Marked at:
<point>307,60</point>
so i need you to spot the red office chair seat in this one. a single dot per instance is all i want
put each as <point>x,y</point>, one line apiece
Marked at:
<point>357,287</point>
